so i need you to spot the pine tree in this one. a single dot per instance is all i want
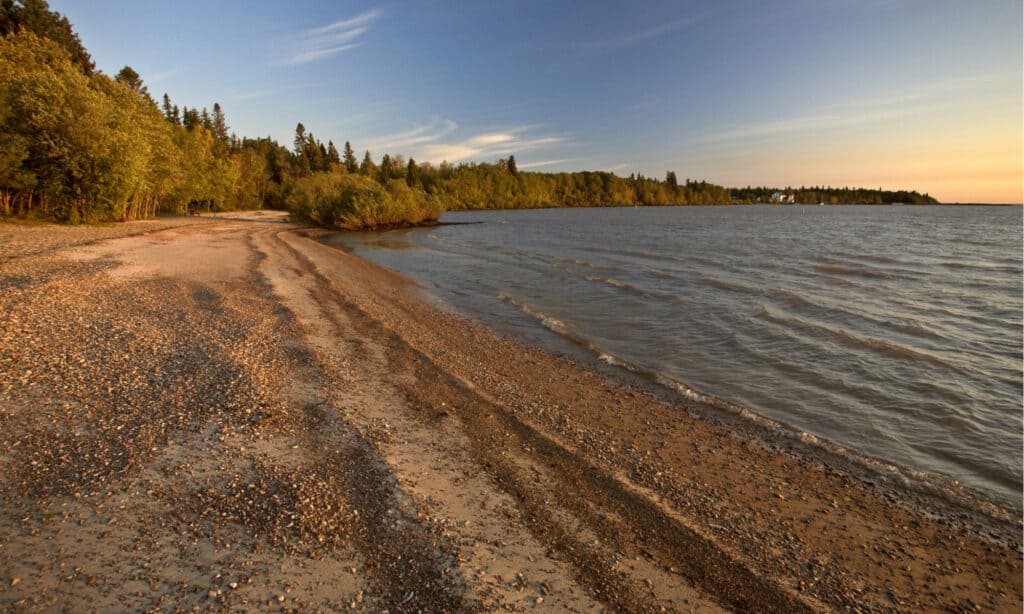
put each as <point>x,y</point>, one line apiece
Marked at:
<point>191,118</point>
<point>385,168</point>
<point>368,168</point>
<point>411,175</point>
<point>220,125</point>
<point>350,158</point>
<point>670,180</point>
<point>206,121</point>
<point>512,169</point>
<point>333,156</point>
<point>300,139</point>
<point>176,116</point>
<point>323,160</point>
<point>168,109</point>
<point>130,78</point>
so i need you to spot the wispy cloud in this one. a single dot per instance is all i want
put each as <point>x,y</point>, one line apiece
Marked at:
<point>432,142</point>
<point>413,139</point>
<point>330,40</point>
<point>617,167</point>
<point>544,163</point>
<point>488,145</point>
<point>645,34</point>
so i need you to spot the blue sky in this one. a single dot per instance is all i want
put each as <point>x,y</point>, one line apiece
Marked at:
<point>921,94</point>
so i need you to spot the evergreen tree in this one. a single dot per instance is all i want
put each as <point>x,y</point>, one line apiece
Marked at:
<point>300,139</point>
<point>670,180</point>
<point>300,146</point>
<point>205,120</point>
<point>130,78</point>
<point>333,157</point>
<point>191,119</point>
<point>350,158</point>
<point>324,161</point>
<point>385,169</point>
<point>176,116</point>
<point>168,109</point>
<point>512,169</point>
<point>220,125</point>
<point>411,175</point>
<point>368,168</point>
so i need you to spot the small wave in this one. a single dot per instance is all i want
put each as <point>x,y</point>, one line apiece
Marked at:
<point>833,269</point>
<point>849,339</point>
<point>878,259</point>
<point>618,283</point>
<point>587,264</point>
<point>731,286</point>
<point>980,267</point>
<point>551,323</point>
<point>930,483</point>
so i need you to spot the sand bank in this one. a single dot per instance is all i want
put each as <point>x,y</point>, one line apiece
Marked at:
<point>227,413</point>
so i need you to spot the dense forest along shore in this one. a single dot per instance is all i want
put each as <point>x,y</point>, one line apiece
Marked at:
<point>228,413</point>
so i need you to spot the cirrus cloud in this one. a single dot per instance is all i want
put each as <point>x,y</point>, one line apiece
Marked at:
<point>329,40</point>
<point>433,143</point>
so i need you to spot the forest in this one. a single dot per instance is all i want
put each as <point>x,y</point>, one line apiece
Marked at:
<point>79,146</point>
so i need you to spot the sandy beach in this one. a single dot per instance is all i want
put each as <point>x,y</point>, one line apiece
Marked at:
<point>225,413</point>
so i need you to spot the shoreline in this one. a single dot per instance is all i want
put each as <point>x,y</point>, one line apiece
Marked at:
<point>987,501</point>
<point>918,491</point>
<point>386,430</point>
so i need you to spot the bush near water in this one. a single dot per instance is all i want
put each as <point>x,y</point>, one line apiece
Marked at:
<point>356,202</point>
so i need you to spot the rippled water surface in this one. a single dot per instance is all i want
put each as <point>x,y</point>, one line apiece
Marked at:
<point>894,331</point>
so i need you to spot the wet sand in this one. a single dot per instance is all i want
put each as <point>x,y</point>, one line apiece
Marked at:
<point>226,413</point>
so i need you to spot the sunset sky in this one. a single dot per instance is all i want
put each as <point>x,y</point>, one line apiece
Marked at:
<point>915,94</point>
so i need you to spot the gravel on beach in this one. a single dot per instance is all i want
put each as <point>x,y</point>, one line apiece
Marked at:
<point>223,414</point>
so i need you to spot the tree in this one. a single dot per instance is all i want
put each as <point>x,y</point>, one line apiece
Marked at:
<point>670,180</point>
<point>350,158</point>
<point>300,139</point>
<point>411,176</point>
<point>168,108</point>
<point>368,168</point>
<point>299,145</point>
<point>220,124</point>
<point>191,119</point>
<point>333,157</point>
<point>385,169</point>
<point>132,80</point>
<point>512,169</point>
<point>36,17</point>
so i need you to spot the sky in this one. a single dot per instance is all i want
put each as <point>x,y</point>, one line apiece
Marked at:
<point>894,94</point>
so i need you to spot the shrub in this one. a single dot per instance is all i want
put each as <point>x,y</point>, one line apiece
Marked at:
<point>354,202</point>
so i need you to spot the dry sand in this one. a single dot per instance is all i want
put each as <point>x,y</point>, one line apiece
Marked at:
<point>227,414</point>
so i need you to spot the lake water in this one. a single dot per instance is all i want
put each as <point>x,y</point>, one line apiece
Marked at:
<point>893,331</point>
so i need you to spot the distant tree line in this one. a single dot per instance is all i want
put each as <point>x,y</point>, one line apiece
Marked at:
<point>832,196</point>
<point>79,146</point>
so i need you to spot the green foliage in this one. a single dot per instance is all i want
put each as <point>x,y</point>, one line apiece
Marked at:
<point>36,17</point>
<point>350,159</point>
<point>343,200</point>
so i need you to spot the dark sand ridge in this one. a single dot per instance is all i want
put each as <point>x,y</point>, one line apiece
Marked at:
<point>228,414</point>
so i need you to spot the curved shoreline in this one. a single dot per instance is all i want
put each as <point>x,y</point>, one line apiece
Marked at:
<point>404,457</point>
